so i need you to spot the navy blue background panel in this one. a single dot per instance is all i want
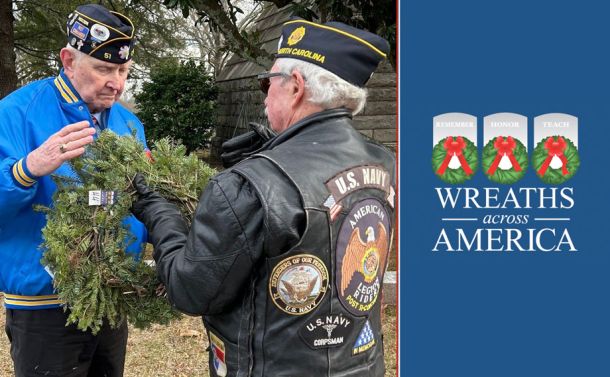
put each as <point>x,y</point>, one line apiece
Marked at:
<point>498,313</point>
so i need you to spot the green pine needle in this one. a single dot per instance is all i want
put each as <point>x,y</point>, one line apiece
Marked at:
<point>84,245</point>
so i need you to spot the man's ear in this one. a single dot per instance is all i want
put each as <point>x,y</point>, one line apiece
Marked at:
<point>68,61</point>
<point>298,88</point>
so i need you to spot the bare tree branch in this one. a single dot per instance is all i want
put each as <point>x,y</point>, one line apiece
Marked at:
<point>241,45</point>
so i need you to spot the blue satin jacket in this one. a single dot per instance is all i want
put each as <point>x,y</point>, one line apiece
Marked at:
<point>28,117</point>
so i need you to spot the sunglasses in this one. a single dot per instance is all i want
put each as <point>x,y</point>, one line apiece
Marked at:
<point>264,79</point>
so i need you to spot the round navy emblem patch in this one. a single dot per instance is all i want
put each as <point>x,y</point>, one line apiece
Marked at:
<point>362,250</point>
<point>298,283</point>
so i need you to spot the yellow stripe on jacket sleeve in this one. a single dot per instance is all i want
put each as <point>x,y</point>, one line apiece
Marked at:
<point>31,303</point>
<point>20,176</point>
<point>30,298</point>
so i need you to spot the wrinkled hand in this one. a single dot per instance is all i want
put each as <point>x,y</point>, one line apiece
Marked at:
<point>66,144</point>
<point>240,147</point>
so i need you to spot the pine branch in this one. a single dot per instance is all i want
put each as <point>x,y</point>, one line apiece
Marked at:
<point>85,245</point>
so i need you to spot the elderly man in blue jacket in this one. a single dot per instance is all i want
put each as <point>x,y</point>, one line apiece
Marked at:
<point>42,126</point>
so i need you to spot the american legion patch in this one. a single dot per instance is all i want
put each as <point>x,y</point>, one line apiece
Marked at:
<point>362,250</point>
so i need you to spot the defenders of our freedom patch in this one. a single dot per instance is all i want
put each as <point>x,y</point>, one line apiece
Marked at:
<point>361,252</point>
<point>298,283</point>
<point>218,353</point>
<point>365,340</point>
<point>326,331</point>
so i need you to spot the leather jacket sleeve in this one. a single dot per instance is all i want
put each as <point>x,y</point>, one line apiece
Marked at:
<point>205,268</point>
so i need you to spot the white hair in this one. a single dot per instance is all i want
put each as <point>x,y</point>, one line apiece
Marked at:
<point>78,55</point>
<point>324,88</point>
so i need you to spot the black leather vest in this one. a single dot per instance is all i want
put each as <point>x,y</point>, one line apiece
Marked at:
<point>315,310</point>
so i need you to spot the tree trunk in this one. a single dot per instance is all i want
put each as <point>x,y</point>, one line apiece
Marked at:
<point>8,71</point>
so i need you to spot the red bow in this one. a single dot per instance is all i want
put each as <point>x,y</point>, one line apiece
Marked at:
<point>149,155</point>
<point>454,148</point>
<point>504,148</point>
<point>554,148</point>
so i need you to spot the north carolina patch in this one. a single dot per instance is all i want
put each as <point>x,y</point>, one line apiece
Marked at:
<point>80,30</point>
<point>298,283</point>
<point>218,353</point>
<point>362,250</point>
<point>366,339</point>
<point>326,331</point>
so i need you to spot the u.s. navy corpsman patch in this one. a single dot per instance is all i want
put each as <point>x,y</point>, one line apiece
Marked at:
<point>326,331</point>
<point>298,283</point>
<point>362,249</point>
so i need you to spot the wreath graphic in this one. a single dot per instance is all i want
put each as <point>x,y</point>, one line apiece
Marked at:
<point>504,160</point>
<point>555,159</point>
<point>454,149</point>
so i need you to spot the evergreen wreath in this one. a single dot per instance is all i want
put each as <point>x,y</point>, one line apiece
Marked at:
<point>565,150</point>
<point>492,154</point>
<point>84,244</point>
<point>462,148</point>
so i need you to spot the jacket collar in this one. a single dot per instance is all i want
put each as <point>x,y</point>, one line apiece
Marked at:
<point>65,90</point>
<point>308,120</point>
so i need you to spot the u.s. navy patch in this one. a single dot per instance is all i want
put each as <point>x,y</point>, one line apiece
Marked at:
<point>358,178</point>
<point>298,283</point>
<point>366,339</point>
<point>80,30</point>
<point>353,179</point>
<point>362,249</point>
<point>326,331</point>
<point>218,353</point>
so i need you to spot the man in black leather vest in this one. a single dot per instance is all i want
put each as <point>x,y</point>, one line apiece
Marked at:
<point>286,254</point>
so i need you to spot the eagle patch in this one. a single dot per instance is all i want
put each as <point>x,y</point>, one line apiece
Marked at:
<point>362,250</point>
<point>298,283</point>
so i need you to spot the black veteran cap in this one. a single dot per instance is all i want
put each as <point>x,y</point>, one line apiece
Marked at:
<point>349,53</point>
<point>101,33</point>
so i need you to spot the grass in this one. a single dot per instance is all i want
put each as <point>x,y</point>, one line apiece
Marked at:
<point>179,350</point>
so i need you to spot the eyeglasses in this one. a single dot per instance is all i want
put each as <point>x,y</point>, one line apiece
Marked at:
<point>264,79</point>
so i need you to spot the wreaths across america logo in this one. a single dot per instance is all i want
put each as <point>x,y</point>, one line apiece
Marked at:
<point>506,217</point>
